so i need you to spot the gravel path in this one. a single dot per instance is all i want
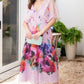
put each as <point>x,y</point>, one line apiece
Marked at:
<point>71,72</point>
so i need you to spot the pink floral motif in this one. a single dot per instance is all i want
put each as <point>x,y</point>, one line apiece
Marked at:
<point>43,55</point>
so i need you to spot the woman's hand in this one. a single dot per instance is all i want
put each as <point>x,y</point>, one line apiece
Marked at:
<point>27,31</point>
<point>36,36</point>
<point>28,34</point>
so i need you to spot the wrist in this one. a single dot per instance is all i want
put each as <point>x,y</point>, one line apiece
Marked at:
<point>40,33</point>
<point>27,29</point>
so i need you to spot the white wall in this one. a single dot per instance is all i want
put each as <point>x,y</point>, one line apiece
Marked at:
<point>72,14</point>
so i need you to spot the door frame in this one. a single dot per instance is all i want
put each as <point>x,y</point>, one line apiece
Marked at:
<point>6,68</point>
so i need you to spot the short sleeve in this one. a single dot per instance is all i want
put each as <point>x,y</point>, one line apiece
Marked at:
<point>53,11</point>
<point>26,15</point>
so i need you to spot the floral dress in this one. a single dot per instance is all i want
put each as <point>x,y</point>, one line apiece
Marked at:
<point>39,63</point>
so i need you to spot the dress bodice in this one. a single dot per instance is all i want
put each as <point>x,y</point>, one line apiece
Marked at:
<point>38,19</point>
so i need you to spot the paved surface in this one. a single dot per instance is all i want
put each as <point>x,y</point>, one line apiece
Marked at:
<point>71,72</point>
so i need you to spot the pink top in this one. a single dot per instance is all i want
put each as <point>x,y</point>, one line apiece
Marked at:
<point>38,19</point>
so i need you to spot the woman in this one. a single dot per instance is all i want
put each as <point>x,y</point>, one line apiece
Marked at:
<point>39,64</point>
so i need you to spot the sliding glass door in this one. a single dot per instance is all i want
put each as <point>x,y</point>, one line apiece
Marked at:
<point>9,36</point>
<point>10,31</point>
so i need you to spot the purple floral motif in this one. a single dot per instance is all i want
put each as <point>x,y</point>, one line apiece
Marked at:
<point>45,56</point>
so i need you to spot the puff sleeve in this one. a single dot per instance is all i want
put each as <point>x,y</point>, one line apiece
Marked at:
<point>53,11</point>
<point>26,15</point>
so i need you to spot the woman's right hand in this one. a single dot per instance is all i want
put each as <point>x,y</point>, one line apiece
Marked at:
<point>28,34</point>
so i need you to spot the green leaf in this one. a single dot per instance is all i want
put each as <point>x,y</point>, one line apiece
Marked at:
<point>68,35</point>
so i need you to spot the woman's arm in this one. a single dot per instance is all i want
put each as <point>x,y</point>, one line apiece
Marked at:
<point>48,26</point>
<point>28,33</point>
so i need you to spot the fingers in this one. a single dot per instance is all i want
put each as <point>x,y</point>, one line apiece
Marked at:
<point>29,36</point>
<point>35,36</point>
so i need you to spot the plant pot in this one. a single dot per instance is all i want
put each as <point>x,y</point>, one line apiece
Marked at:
<point>58,52</point>
<point>70,50</point>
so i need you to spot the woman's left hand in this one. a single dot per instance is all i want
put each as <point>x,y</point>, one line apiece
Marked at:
<point>36,36</point>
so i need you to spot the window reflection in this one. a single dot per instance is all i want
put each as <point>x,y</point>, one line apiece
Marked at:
<point>10,31</point>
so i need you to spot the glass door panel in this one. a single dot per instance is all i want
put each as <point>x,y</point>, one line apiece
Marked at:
<point>9,38</point>
<point>10,31</point>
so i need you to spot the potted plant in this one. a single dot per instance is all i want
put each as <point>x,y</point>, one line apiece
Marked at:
<point>59,27</point>
<point>61,48</point>
<point>70,37</point>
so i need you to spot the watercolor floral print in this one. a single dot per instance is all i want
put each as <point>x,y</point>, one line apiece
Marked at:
<point>39,63</point>
<point>43,56</point>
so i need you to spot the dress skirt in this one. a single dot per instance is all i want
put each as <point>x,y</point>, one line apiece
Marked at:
<point>39,64</point>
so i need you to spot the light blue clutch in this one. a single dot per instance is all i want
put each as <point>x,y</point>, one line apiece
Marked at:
<point>33,41</point>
